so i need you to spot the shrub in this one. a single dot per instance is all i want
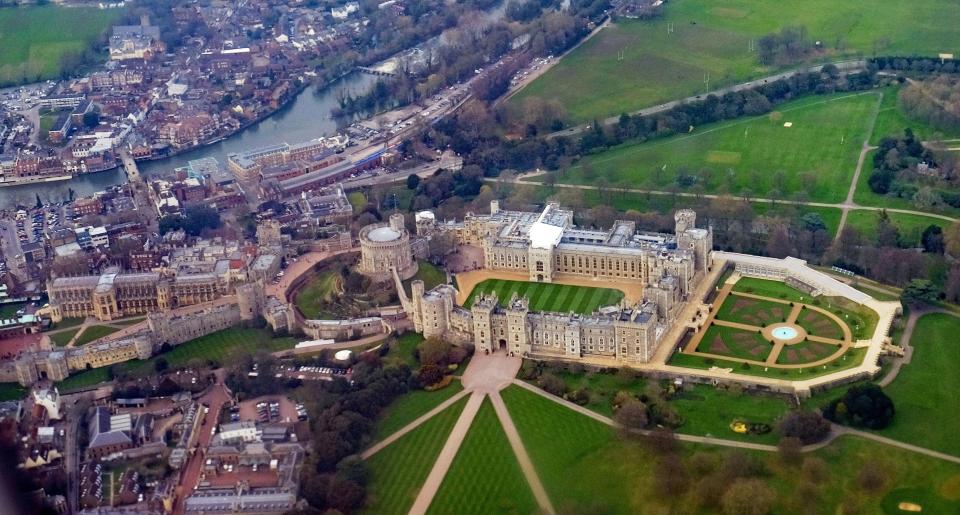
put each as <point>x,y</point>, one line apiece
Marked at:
<point>862,406</point>
<point>807,426</point>
<point>552,384</point>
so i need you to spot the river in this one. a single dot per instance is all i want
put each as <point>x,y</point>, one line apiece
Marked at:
<point>308,116</point>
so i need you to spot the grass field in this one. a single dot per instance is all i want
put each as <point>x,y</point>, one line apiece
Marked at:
<point>408,407</point>
<point>10,310</point>
<point>430,274</point>
<point>34,38</point>
<point>709,39</point>
<point>817,155</point>
<point>11,391</point>
<point>621,477</point>
<point>708,411</point>
<point>404,350</point>
<point>924,392</point>
<point>911,226</point>
<point>549,296</point>
<point>891,121</point>
<point>322,286</point>
<point>398,471</point>
<point>485,476</point>
<point>223,347</point>
<point>63,337</point>
<point>93,332</point>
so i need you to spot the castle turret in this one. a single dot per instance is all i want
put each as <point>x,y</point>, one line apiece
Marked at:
<point>684,219</point>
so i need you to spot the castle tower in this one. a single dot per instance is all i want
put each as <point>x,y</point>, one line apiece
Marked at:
<point>26,371</point>
<point>494,207</point>
<point>250,300</point>
<point>416,298</point>
<point>482,311</point>
<point>397,222</point>
<point>518,340</point>
<point>426,223</point>
<point>57,367</point>
<point>684,219</point>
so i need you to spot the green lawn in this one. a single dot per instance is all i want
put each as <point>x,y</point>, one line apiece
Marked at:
<point>862,320</point>
<point>911,227</point>
<point>817,324</point>
<point>756,312</point>
<point>850,359</point>
<point>63,337</point>
<point>35,38</point>
<point>708,411</point>
<point>84,379</point>
<point>93,332</point>
<point>405,349</point>
<point>398,471</point>
<point>549,296</point>
<point>891,121</point>
<point>322,287</point>
<point>735,343</point>
<point>817,155</point>
<point>430,274</point>
<point>924,391</point>
<point>485,476</point>
<point>408,407</point>
<point>709,39</point>
<point>68,322</point>
<point>358,200</point>
<point>10,310</point>
<point>585,468</point>
<point>11,391</point>
<point>223,347</point>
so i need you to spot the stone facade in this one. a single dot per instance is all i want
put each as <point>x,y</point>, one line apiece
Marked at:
<point>384,247</point>
<point>113,295</point>
<point>548,247</point>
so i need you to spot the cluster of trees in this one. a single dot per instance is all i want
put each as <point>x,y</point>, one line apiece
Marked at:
<point>933,101</point>
<point>342,418</point>
<point>918,64</point>
<point>895,172</point>
<point>862,406</point>
<point>263,382</point>
<point>437,356</point>
<point>526,10</point>
<point>788,46</point>
<point>194,220</point>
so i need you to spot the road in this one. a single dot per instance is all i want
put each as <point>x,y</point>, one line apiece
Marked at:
<point>141,195</point>
<point>843,66</point>
<point>215,398</point>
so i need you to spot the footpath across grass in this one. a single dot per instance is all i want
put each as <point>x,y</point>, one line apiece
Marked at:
<point>760,156</point>
<point>62,338</point>
<point>549,296</point>
<point>399,470</point>
<point>924,392</point>
<point>485,476</point>
<point>93,332</point>
<point>409,407</point>
<point>586,467</point>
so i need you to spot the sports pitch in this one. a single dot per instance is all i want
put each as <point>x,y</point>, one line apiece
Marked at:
<point>816,155</point>
<point>699,46</point>
<point>561,298</point>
